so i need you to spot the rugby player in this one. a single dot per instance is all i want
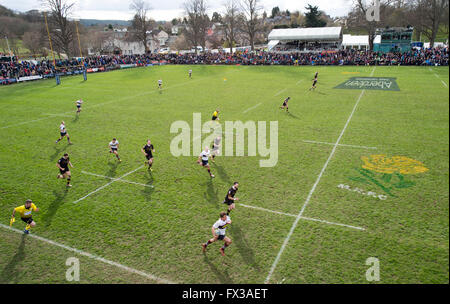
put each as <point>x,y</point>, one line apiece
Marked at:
<point>63,132</point>
<point>215,116</point>
<point>218,231</point>
<point>79,102</point>
<point>230,199</point>
<point>63,166</point>
<point>215,148</point>
<point>285,104</point>
<point>203,160</point>
<point>113,147</point>
<point>148,151</point>
<point>25,215</point>
<point>314,81</point>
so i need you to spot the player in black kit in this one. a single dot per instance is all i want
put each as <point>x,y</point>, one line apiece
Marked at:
<point>148,151</point>
<point>314,81</point>
<point>229,199</point>
<point>63,166</point>
<point>285,104</point>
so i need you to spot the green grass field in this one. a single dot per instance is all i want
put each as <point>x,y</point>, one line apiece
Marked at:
<point>156,225</point>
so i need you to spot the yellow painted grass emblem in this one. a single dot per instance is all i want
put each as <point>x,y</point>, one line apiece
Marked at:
<point>396,164</point>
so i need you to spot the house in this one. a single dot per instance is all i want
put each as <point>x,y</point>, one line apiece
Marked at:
<point>120,43</point>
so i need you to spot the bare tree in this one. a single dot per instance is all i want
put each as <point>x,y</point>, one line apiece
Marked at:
<point>251,10</point>
<point>358,17</point>
<point>432,17</point>
<point>197,22</point>
<point>61,28</point>
<point>33,41</point>
<point>231,22</point>
<point>141,24</point>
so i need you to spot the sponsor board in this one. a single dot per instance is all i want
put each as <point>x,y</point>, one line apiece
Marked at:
<point>8,81</point>
<point>27,78</point>
<point>370,83</point>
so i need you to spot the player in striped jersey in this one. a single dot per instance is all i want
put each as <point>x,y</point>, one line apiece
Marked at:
<point>63,132</point>
<point>79,102</point>
<point>215,148</point>
<point>218,231</point>
<point>203,160</point>
<point>114,147</point>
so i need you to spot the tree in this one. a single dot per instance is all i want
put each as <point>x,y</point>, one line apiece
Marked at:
<point>358,18</point>
<point>197,22</point>
<point>61,28</point>
<point>275,12</point>
<point>33,41</point>
<point>313,17</point>
<point>216,17</point>
<point>140,25</point>
<point>231,22</point>
<point>432,17</point>
<point>251,9</point>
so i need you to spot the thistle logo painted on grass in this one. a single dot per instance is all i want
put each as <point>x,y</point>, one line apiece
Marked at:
<point>180,144</point>
<point>401,164</point>
<point>388,173</point>
<point>370,83</point>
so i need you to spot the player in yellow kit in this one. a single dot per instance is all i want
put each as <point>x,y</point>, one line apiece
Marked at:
<point>25,215</point>
<point>215,116</point>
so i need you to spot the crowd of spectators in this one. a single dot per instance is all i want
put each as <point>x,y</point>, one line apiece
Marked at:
<point>416,57</point>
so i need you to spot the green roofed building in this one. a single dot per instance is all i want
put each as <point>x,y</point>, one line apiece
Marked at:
<point>396,39</point>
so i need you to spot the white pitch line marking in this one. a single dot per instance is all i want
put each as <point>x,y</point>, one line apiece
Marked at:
<point>299,216</point>
<point>298,82</point>
<point>284,90</point>
<point>303,217</point>
<point>331,223</point>
<point>437,76</point>
<point>63,115</point>
<point>120,180</point>
<point>106,185</point>
<point>92,256</point>
<point>341,145</point>
<point>267,210</point>
<point>252,108</point>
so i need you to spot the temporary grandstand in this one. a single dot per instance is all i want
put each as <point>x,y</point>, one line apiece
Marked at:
<point>317,39</point>
<point>360,42</point>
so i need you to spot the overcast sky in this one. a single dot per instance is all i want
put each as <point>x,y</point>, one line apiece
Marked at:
<point>169,9</point>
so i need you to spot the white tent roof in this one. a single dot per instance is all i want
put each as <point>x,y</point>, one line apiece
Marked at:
<point>362,40</point>
<point>314,33</point>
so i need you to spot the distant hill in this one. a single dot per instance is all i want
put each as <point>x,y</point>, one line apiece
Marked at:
<point>93,22</point>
